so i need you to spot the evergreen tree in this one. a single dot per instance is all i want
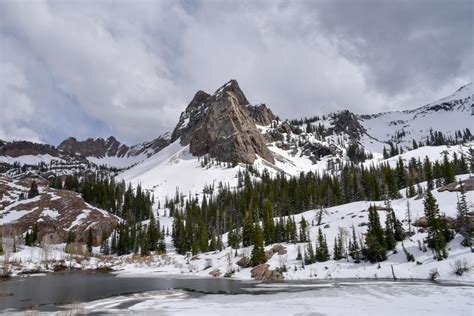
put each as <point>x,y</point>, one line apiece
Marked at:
<point>375,250</point>
<point>104,246</point>
<point>436,238</point>
<point>354,249</point>
<point>33,190</point>
<point>309,256</point>
<point>258,252</point>
<point>322,252</point>
<point>248,231</point>
<point>463,217</point>
<point>268,224</point>
<point>233,239</point>
<point>90,240</point>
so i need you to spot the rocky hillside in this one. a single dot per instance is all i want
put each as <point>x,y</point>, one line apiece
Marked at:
<point>55,212</point>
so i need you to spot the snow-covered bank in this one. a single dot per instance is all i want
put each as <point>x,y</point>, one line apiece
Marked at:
<point>362,299</point>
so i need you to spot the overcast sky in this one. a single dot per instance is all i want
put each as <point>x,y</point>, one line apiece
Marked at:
<point>128,68</point>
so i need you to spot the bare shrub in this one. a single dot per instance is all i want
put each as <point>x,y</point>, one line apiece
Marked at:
<point>460,267</point>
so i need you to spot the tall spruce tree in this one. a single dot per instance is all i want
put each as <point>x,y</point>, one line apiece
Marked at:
<point>436,238</point>
<point>376,247</point>
<point>258,252</point>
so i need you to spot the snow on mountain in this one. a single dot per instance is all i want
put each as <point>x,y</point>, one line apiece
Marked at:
<point>447,115</point>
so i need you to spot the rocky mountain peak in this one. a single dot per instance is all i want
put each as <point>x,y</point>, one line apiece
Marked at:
<point>221,125</point>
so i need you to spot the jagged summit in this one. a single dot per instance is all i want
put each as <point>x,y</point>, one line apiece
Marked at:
<point>222,126</point>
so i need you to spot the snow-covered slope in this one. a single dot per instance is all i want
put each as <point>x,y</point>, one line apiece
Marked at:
<point>447,115</point>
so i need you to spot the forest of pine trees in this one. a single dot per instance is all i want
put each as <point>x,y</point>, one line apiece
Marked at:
<point>248,214</point>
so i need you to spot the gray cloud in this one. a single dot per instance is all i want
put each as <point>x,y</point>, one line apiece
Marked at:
<point>129,69</point>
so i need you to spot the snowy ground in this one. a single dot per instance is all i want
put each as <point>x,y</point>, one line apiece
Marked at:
<point>340,219</point>
<point>361,299</point>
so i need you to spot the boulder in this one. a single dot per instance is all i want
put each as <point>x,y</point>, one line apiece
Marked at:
<point>244,262</point>
<point>262,273</point>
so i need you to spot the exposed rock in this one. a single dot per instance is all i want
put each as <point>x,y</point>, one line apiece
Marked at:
<point>215,273</point>
<point>19,148</point>
<point>244,262</point>
<point>221,126</point>
<point>276,249</point>
<point>346,122</point>
<point>261,114</point>
<point>191,118</point>
<point>56,212</point>
<point>262,273</point>
<point>455,187</point>
<point>97,147</point>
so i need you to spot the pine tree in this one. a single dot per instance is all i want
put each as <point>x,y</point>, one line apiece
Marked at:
<point>376,247</point>
<point>309,257</point>
<point>104,245</point>
<point>233,239</point>
<point>33,190</point>
<point>258,252</point>
<point>354,249</point>
<point>322,252</point>
<point>268,224</point>
<point>248,231</point>
<point>303,230</point>
<point>463,217</point>
<point>90,240</point>
<point>34,235</point>
<point>436,238</point>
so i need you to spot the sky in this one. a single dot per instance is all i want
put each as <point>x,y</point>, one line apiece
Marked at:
<point>129,68</point>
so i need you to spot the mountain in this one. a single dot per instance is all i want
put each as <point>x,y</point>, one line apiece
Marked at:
<point>220,133</point>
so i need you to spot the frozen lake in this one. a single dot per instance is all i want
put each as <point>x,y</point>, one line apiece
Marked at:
<point>100,293</point>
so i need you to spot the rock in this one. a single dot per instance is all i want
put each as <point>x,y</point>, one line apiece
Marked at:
<point>215,273</point>
<point>421,222</point>
<point>244,262</point>
<point>258,272</point>
<point>346,122</point>
<point>261,114</point>
<point>455,187</point>
<point>262,273</point>
<point>55,212</point>
<point>326,226</point>
<point>228,274</point>
<point>19,148</point>
<point>279,249</point>
<point>221,126</point>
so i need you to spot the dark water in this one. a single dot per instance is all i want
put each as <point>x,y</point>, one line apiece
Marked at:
<point>47,293</point>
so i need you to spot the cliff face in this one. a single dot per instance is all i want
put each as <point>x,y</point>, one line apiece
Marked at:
<point>261,114</point>
<point>222,126</point>
<point>97,147</point>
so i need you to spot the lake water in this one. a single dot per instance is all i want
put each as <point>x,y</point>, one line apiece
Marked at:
<point>94,292</point>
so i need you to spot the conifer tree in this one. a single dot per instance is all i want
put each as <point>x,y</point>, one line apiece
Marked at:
<point>310,256</point>
<point>33,190</point>
<point>268,224</point>
<point>463,217</point>
<point>375,250</point>
<point>104,245</point>
<point>248,231</point>
<point>354,248</point>
<point>90,240</point>
<point>436,238</point>
<point>322,252</point>
<point>258,252</point>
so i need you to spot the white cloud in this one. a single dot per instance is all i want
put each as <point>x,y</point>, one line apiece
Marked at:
<point>133,66</point>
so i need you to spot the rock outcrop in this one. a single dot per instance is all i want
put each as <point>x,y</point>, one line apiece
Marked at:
<point>97,147</point>
<point>56,212</point>
<point>222,126</point>
<point>261,114</point>
<point>20,148</point>
<point>262,273</point>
